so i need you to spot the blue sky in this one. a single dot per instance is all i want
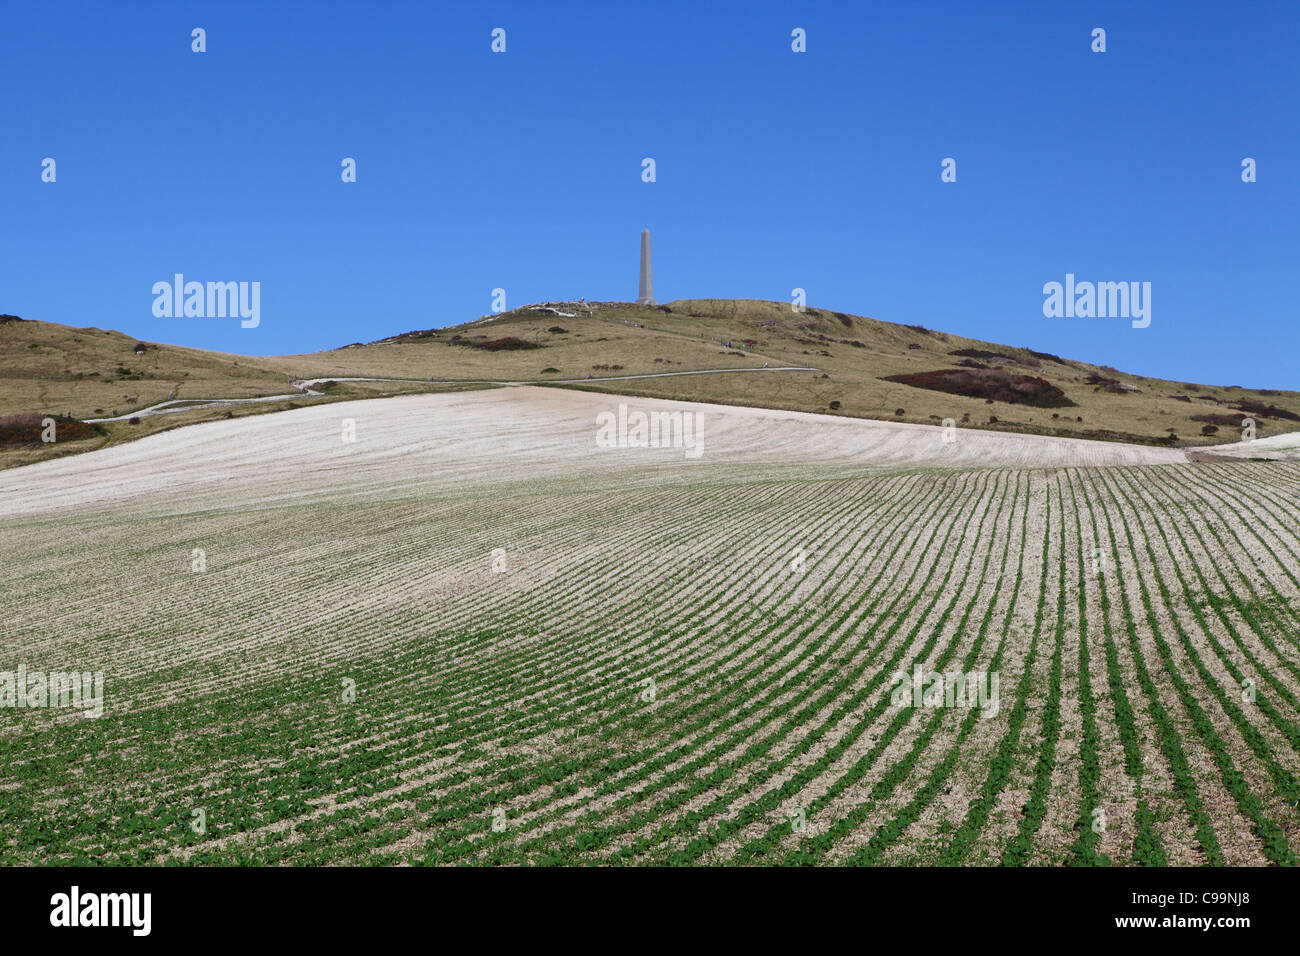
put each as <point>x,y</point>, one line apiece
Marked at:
<point>775,170</point>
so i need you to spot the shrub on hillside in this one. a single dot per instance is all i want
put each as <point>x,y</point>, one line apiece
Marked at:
<point>980,353</point>
<point>1048,357</point>
<point>1215,419</point>
<point>507,344</point>
<point>26,428</point>
<point>1260,410</point>
<point>994,384</point>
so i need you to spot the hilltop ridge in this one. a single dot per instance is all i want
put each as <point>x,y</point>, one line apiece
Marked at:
<point>856,366</point>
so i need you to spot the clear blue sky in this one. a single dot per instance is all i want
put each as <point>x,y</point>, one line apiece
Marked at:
<point>775,169</point>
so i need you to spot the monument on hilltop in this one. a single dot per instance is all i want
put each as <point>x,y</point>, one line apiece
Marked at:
<point>645,294</point>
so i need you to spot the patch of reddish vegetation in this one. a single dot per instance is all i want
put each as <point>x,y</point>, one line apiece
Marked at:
<point>1048,357</point>
<point>980,353</point>
<point>507,344</point>
<point>994,384</point>
<point>26,428</point>
<point>1260,410</point>
<point>1214,419</point>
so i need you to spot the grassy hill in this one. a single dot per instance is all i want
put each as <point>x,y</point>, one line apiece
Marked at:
<point>859,367</point>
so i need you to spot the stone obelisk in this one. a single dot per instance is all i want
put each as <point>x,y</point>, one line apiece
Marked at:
<point>645,293</point>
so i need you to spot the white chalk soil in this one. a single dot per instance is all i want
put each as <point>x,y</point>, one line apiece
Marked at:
<point>423,442</point>
<point>1284,447</point>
